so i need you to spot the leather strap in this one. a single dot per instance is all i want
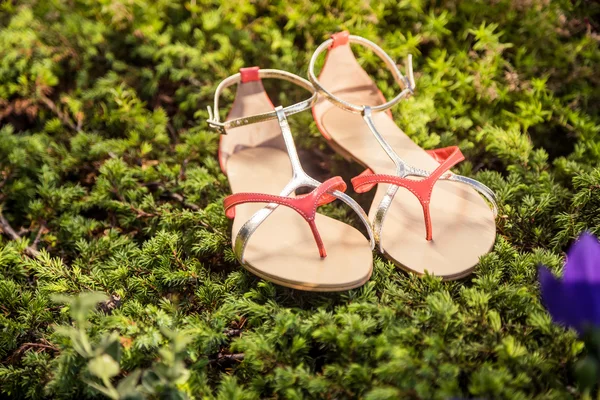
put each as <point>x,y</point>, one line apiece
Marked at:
<point>249,74</point>
<point>305,205</point>
<point>422,189</point>
<point>253,74</point>
<point>343,38</point>
<point>339,39</point>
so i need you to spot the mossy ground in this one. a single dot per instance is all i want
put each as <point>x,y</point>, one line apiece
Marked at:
<point>110,183</point>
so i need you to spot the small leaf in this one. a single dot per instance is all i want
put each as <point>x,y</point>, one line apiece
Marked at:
<point>104,367</point>
<point>495,321</point>
<point>110,393</point>
<point>586,373</point>
<point>128,385</point>
<point>81,305</point>
<point>110,345</point>
<point>150,380</point>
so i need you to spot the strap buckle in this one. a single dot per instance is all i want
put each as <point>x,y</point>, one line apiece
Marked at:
<point>409,79</point>
<point>215,124</point>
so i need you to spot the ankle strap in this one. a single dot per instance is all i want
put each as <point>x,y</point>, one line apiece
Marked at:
<point>407,83</point>
<point>213,118</point>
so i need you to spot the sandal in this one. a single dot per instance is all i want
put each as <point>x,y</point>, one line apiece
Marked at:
<point>353,123</point>
<point>258,155</point>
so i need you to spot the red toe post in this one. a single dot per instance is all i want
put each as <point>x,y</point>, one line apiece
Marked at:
<point>305,205</point>
<point>447,157</point>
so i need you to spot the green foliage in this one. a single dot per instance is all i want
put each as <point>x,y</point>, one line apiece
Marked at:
<point>109,183</point>
<point>587,370</point>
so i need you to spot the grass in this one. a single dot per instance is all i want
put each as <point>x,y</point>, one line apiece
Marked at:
<point>109,183</point>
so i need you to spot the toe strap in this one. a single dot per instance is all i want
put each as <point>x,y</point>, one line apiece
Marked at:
<point>440,155</point>
<point>305,205</point>
<point>422,189</point>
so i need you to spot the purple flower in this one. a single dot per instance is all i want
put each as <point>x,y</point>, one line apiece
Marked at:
<point>574,301</point>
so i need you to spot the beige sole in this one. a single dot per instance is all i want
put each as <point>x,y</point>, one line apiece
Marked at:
<point>299,286</point>
<point>463,223</point>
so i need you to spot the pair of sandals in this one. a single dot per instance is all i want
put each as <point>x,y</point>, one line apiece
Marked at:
<point>277,241</point>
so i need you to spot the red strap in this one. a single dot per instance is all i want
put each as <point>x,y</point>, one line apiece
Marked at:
<point>249,74</point>
<point>422,189</point>
<point>339,39</point>
<point>364,187</point>
<point>441,155</point>
<point>306,204</point>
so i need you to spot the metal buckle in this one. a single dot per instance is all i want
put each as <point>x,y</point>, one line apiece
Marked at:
<point>409,85</point>
<point>216,125</point>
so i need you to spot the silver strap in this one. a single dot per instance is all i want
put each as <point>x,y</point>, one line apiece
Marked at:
<point>214,119</point>
<point>482,189</point>
<point>406,83</point>
<point>299,178</point>
<point>387,199</point>
<point>403,170</point>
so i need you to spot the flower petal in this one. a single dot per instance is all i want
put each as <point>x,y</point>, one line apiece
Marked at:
<point>583,260</point>
<point>572,304</point>
<point>552,297</point>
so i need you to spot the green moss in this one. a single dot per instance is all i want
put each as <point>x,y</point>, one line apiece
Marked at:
<point>110,182</point>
